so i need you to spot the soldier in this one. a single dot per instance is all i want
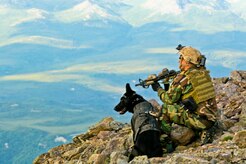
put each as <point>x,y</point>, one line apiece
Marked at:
<point>190,99</point>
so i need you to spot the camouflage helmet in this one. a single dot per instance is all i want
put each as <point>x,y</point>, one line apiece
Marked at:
<point>191,55</point>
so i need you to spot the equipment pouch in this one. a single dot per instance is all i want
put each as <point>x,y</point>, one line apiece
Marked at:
<point>190,104</point>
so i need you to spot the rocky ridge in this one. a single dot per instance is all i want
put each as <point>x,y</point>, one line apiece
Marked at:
<point>110,141</point>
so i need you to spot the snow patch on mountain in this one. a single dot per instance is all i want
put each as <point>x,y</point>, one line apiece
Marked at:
<point>198,15</point>
<point>86,11</point>
<point>162,7</point>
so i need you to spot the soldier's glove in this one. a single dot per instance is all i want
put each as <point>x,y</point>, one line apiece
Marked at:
<point>155,86</point>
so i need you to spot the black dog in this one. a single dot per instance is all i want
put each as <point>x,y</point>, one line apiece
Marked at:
<point>146,132</point>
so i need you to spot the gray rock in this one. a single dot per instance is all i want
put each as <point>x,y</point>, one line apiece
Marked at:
<point>242,119</point>
<point>96,159</point>
<point>140,160</point>
<point>240,139</point>
<point>181,134</point>
<point>118,158</point>
<point>184,158</point>
<point>236,75</point>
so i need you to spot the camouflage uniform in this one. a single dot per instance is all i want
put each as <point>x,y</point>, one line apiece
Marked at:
<point>195,83</point>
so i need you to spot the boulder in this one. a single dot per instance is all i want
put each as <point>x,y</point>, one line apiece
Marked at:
<point>240,139</point>
<point>181,135</point>
<point>140,160</point>
<point>97,159</point>
<point>118,158</point>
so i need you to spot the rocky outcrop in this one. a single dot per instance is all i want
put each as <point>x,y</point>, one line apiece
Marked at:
<point>231,95</point>
<point>110,141</point>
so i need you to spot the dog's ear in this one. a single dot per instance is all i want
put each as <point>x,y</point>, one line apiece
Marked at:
<point>129,89</point>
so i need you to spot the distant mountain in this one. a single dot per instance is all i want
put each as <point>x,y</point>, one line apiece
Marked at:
<point>44,4</point>
<point>214,4</point>
<point>83,25</point>
<point>203,16</point>
<point>88,11</point>
<point>139,13</point>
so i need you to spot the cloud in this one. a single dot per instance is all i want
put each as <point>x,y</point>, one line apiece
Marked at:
<point>170,50</point>
<point>117,67</point>
<point>72,89</point>
<point>228,59</point>
<point>60,139</point>
<point>83,74</point>
<point>14,105</point>
<point>35,111</point>
<point>42,40</point>
<point>30,15</point>
<point>42,145</point>
<point>101,85</point>
<point>6,145</point>
<point>41,77</point>
<point>49,77</point>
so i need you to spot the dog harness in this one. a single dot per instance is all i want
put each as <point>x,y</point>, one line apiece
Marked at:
<point>141,120</point>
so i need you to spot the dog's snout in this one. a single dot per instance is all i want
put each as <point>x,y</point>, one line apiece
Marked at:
<point>117,107</point>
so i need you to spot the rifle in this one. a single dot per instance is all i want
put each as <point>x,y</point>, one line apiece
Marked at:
<point>164,76</point>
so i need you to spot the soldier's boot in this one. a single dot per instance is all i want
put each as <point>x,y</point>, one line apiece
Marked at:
<point>167,144</point>
<point>207,136</point>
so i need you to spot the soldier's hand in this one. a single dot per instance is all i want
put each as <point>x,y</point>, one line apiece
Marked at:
<point>163,72</point>
<point>150,79</point>
<point>155,86</point>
